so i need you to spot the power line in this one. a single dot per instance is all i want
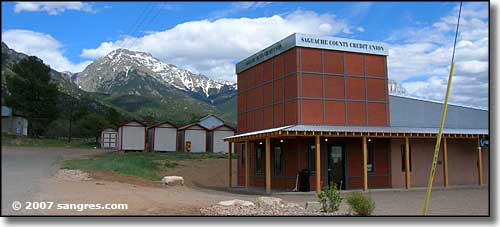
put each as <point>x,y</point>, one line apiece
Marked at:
<point>144,14</point>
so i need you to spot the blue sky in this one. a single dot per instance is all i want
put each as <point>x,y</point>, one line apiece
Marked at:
<point>209,37</point>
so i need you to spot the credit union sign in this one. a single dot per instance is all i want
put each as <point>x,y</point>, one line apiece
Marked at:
<point>312,41</point>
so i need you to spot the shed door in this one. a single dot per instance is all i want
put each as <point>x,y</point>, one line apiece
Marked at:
<point>109,140</point>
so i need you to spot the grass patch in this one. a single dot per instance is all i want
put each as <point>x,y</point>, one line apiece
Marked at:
<point>23,141</point>
<point>143,165</point>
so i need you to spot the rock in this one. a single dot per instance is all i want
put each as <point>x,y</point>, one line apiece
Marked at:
<point>172,180</point>
<point>72,175</point>
<point>269,201</point>
<point>236,202</point>
<point>313,205</point>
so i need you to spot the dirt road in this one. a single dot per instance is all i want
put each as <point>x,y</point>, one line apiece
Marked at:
<point>27,175</point>
<point>26,169</point>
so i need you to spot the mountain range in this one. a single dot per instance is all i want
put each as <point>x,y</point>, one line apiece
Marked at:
<point>138,85</point>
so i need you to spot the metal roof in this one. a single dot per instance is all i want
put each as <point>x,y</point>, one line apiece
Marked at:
<point>362,129</point>
<point>332,128</point>
<point>259,132</point>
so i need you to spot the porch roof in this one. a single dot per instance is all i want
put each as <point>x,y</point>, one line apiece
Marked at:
<point>357,131</point>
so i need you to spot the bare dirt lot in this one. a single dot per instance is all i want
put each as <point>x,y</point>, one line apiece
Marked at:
<point>204,186</point>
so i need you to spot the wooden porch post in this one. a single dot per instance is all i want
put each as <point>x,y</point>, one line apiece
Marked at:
<point>318,165</point>
<point>230,165</point>
<point>268,165</point>
<point>445,162</point>
<point>247,164</point>
<point>365,165</point>
<point>407,162</point>
<point>479,162</point>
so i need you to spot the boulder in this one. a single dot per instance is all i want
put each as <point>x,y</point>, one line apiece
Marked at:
<point>269,201</point>
<point>172,180</point>
<point>236,202</point>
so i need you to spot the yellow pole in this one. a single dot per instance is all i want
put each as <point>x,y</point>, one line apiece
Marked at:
<point>247,164</point>
<point>443,118</point>
<point>365,165</point>
<point>479,163</point>
<point>438,143</point>
<point>229,165</point>
<point>268,165</point>
<point>407,163</point>
<point>318,165</point>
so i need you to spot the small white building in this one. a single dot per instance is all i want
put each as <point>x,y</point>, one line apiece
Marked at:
<point>193,138</point>
<point>109,138</point>
<point>132,136</point>
<point>216,137</point>
<point>13,123</point>
<point>162,137</point>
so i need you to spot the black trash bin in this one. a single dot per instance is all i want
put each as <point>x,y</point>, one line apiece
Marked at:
<point>304,180</point>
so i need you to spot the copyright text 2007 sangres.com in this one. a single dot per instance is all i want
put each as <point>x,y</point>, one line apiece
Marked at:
<point>47,205</point>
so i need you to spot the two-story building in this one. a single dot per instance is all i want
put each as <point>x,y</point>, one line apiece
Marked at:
<point>322,103</point>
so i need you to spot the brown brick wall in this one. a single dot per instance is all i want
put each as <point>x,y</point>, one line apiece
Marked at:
<point>313,86</point>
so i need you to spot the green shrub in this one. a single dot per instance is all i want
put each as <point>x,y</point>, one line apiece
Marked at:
<point>362,206</point>
<point>330,199</point>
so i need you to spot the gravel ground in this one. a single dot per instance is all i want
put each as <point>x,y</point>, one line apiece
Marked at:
<point>282,208</point>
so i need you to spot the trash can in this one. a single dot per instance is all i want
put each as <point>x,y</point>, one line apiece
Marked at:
<point>304,180</point>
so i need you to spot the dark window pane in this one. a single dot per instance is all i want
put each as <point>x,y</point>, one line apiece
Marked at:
<point>371,158</point>
<point>243,155</point>
<point>312,158</point>
<point>259,161</point>
<point>278,160</point>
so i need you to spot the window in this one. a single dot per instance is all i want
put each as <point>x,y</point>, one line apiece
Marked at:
<point>259,160</point>
<point>403,157</point>
<point>371,158</point>
<point>311,149</point>
<point>278,160</point>
<point>243,155</point>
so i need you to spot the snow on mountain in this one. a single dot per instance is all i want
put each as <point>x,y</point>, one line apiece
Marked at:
<point>107,68</point>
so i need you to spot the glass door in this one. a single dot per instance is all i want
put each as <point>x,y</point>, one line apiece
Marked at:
<point>335,166</point>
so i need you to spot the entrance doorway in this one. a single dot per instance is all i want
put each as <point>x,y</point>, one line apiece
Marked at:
<point>336,165</point>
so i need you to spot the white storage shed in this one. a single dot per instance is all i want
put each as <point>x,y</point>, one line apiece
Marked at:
<point>162,137</point>
<point>132,136</point>
<point>216,137</point>
<point>193,138</point>
<point>109,138</point>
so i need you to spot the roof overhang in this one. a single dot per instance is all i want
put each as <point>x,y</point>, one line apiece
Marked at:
<point>356,131</point>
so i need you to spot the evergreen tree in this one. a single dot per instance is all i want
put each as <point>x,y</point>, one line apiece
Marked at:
<point>33,94</point>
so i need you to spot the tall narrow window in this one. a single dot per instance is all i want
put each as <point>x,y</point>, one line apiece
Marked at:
<point>371,158</point>
<point>311,149</point>
<point>403,157</point>
<point>259,160</point>
<point>243,155</point>
<point>278,160</point>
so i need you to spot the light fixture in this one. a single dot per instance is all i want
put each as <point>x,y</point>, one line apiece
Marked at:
<point>260,143</point>
<point>281,141</point>
<point>326,139</point>
<point>369,140</point>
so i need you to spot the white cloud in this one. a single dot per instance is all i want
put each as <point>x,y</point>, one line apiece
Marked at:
<point>211,47</point>
<point>43,46</point>
<point>53,8</point>
<point>420,58</point>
